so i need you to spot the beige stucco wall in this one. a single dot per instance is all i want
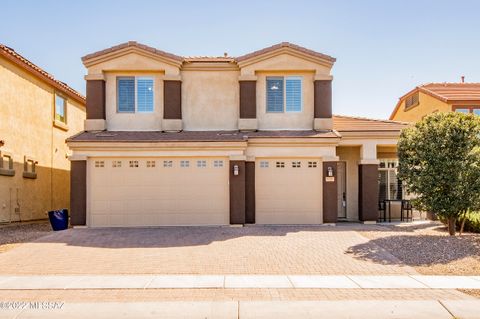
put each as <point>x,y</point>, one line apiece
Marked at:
<point>351,156</point>
<point>27,112</point>
<point>285,62</point>
<point>427,105</point>
<point>210,100</point>
<point>133,121</point>
<point>287,120</point>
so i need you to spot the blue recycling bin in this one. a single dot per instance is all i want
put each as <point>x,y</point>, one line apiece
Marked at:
<point>58,219</point>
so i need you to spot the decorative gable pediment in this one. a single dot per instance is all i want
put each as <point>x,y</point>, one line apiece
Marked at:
<point>132,56</point>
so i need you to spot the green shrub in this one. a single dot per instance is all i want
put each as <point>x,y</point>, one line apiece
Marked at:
<point>472,223</point>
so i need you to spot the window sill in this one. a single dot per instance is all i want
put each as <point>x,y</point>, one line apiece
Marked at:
<point>30,175</point>
<point>60,125</point>
<point>7,172</point>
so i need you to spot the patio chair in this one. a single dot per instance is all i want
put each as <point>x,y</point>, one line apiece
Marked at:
<point>406,211</point>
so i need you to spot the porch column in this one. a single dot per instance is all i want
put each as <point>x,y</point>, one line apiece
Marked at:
<point>172,103</point>
<point>96,114</point>
<point>330,192</point>
<point>237,190</point>
<point>78,191</point>
<point>248,103</point>
<point>368,184</point>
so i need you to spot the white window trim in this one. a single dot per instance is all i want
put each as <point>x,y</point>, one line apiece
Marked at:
<point>284,110</point>
<point>135,78</point>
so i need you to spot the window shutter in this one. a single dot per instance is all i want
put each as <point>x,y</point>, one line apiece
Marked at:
<point>274,94</point>
<point>293,87</point>
<point>126,94</point>
<point>144,94</point>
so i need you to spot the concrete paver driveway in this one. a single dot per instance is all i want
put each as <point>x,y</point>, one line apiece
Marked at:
<point>200,250</point>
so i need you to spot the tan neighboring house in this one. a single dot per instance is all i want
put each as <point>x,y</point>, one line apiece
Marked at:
<point>173,140</point>
<point>37,114</point>
<point>437,97</point>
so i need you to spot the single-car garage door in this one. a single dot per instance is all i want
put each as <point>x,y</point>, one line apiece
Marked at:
<point>158,191</point>
<point>288,191</point>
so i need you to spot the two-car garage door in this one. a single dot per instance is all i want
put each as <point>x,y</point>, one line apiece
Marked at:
<point>195,191</point>
<point>158,191</point>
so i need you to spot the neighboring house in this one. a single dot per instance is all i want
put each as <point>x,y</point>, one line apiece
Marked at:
<point>37,114</point>
<point>176,140</point>
<point>437,97</point>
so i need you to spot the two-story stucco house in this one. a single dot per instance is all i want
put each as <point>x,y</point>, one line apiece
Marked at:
<point>173,140</point>
<point>429,98</point>
<point>37,114</point>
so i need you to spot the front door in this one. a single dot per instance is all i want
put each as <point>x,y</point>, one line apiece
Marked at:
<point>342,190</point>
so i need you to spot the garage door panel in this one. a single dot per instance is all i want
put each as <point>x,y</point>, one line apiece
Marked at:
<point>288,194</point>
<point>149,196</point>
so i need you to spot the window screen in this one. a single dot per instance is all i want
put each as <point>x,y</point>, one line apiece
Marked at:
<point>274,94</point>
<point>126,94</point>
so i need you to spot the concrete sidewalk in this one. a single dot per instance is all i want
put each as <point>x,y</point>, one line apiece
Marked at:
<point>237,282</point>
<point>445,309</point>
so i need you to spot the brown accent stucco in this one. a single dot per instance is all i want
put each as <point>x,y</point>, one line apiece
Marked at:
<point>330,194</point>
<point>250,192</point>
<point>237,193</point>
<point>323,99</point>
<point>368,192</point>
<point>96,100</point>
<point>248,99</point>
<point>78,193</point>
<point>172,100</point>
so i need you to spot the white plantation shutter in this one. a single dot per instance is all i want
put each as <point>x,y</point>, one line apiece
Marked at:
<point>144,94</point>
<point>293,92</point>
<point>126,94</point>
<point>274,94</point>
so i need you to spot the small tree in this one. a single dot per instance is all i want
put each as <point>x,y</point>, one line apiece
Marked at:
<point>439,161</point>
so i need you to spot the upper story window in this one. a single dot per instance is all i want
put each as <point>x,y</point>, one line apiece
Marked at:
<point>411,100</point>
<point>467,109</point>
<point>135,94</point>
<point>60,109</point>
<point>284,94</point>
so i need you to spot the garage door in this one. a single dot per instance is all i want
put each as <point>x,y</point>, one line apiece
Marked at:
<point>288,191</point>
<point>158,191</point>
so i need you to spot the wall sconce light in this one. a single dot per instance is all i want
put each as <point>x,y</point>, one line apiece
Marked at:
<point>236,170</point>
<point>330,171</point>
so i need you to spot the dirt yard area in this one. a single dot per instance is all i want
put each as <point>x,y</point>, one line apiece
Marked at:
<point>13,235</point>
<point>426,247</point>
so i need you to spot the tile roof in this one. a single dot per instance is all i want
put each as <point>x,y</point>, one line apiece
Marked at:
<point>342,123</point>
<point>29,66</point>
<point>453,91</point>
<point>206,58</point>
<point>192,136</point>
<point>285,45</point>
<point>132,44</point>
<point>446,92</point>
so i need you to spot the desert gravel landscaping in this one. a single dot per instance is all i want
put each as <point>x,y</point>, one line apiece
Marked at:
<point>426,247</point>
<point>13,235</point>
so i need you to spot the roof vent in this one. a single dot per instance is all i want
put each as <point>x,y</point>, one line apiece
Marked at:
<point>225,54</point>
<point>463,78</point>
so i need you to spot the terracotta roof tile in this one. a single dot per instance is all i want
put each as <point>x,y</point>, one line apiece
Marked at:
<point>285,45</point>
<point>132,44</point>
<point>453,91</point>
<point>192,136</point>
<point>342,123</point>
<point>26,64</point>
<point>206,58</point>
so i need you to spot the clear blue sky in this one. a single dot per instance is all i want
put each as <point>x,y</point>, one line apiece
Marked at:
<point>383,48</point>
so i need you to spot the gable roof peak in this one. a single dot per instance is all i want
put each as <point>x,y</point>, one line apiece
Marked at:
<point>285,45</point>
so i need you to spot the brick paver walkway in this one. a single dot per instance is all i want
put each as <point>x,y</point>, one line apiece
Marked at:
<point>200,250</point>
